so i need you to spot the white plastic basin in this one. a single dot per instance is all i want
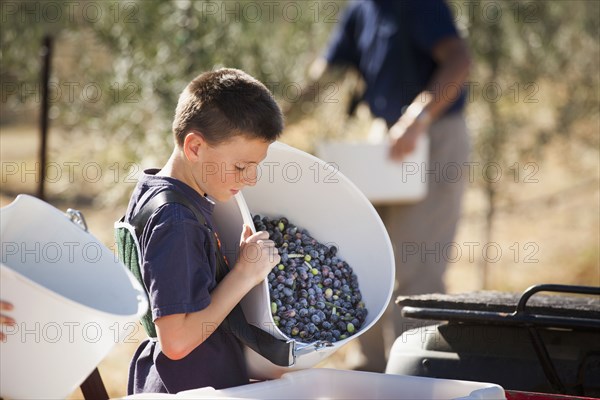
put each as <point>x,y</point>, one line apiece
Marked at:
<point>314,196</point>
<point>334,384</point>
<point>73,300</point>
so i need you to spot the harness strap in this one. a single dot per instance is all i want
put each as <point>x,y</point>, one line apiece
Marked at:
<point>140,219</point>
<point>277,351</point>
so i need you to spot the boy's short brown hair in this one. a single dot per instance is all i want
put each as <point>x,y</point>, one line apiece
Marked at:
<point>224,103</point>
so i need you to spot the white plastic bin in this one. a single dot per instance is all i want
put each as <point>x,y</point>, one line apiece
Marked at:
<point>382,180</point>
<point>72,301</point>
<point>314,196</point>
<point>338,384</point>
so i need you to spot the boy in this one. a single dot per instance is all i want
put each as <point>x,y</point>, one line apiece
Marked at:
<point>224,123</point>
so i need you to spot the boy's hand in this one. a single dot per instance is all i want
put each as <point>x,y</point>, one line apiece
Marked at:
<point>258,255</point>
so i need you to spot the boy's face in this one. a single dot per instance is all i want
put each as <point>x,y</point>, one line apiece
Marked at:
<point>223,170</point>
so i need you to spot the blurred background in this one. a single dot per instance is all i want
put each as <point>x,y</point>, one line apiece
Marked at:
<point>117,68</point>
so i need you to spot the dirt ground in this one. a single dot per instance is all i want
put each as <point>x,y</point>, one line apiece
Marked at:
<point>546,232</point>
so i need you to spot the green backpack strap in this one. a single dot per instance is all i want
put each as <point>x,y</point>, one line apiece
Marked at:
<point>128,249</point>
<point>279,352</point>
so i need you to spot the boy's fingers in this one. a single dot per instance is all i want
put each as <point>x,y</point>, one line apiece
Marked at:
<point>261,235</point>
<point>4,320</point>
<point>246,232</point>
<point>4,305</point>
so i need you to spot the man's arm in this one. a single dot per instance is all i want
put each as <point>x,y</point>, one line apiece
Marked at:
<point>454,61</point>
<point>320,75</point>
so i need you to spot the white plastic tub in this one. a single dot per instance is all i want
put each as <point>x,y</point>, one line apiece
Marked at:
<point>382,180</point>
<point>314,196</point>
<point>72,301</point>
<point>338,384</point>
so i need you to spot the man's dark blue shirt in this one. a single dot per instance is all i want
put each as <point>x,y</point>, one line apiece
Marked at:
<point>391,43</point>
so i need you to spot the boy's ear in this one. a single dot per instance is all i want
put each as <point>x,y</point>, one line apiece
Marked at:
<point>193,143</point>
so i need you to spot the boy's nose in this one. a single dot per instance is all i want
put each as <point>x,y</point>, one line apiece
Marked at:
<point>250,181</point>
<point>250,176</point>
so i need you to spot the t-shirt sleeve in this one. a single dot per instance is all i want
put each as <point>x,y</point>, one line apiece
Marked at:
<point>432,22</point>
<point>342,47</point>
<point>176,268</point>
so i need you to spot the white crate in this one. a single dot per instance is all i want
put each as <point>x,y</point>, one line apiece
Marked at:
<point>334,384</point>
<point>381,179</point>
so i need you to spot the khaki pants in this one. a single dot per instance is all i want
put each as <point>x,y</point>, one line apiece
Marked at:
<point>420,234</point>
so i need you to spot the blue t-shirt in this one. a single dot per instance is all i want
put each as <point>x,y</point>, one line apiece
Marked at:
<point>178,269</point>
<point>390,42</point>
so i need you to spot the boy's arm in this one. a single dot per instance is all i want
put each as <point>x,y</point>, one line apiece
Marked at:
<point>179,334</point>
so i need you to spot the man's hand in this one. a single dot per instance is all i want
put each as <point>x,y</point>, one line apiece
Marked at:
<point>5,320</point>
<point>404,135</point>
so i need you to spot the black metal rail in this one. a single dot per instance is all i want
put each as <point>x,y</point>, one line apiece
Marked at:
<point>521,317</point>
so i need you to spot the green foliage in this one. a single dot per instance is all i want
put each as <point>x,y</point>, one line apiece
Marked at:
<point>544,57</point>
<point>139,54</point>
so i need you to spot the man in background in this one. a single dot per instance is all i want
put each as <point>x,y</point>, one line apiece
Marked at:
<point>414,64</point>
